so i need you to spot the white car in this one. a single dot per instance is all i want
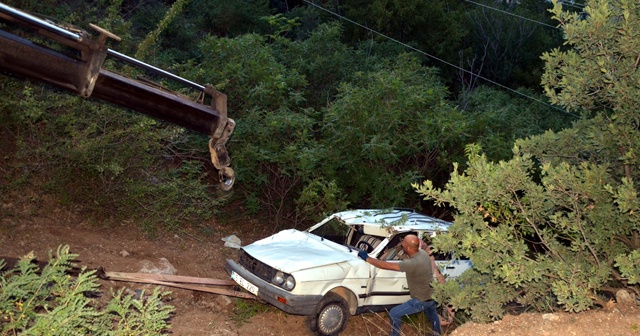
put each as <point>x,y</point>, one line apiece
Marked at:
<point>317,272</point>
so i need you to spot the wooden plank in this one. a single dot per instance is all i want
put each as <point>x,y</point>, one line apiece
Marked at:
<point>170,278</point>
<point>214,290</point>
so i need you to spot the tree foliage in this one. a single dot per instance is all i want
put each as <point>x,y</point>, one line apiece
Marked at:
<point>324,61</point>
<point>320,113</point>
<point>151,39</point>
<point>599,77</point>
<point>51,302</point>
<point>111,161</point>
<point>532,239</point>
<point>505,41</point>
<point>496,119</point>
<point>433,26</point>
<point>166,33</point>
<point>499,40</point>
<point>557,223</point>
<point>274,149</point>
<point>388,128</point>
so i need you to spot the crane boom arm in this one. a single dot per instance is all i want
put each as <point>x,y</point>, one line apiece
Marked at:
<point>83,74</point>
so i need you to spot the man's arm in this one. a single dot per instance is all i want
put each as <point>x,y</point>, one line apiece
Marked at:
<point>384,264</point>
<point>379,263</point>
<point>434,266</point>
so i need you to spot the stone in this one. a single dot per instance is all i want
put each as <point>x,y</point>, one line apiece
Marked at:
<point>223,300</point>
<point>164,267</point>
<point>623,297</point>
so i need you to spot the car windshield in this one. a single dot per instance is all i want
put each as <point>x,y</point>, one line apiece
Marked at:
<point>333,230</point>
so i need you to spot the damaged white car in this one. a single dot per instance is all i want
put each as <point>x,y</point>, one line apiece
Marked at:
<point>317,272</point>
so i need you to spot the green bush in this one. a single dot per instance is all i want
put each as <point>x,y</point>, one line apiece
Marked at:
<point>532,240</point>
<point>51,302</point>
<point>106,159</point>
<point>388,128</point>
<point>557,225</point>
<point>497,119</point>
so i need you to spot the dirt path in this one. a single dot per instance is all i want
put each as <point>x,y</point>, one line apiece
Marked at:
<point>42,226</point>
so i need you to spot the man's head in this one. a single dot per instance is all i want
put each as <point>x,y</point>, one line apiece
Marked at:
<point>411,244</point>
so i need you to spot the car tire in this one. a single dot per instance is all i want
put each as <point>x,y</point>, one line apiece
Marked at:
<point>330,316</point>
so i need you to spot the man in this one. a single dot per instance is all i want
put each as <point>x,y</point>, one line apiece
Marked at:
<point>419,276</point>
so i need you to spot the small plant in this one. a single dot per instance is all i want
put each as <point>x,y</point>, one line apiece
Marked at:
<point>51,302</point>
<point>246,309</point>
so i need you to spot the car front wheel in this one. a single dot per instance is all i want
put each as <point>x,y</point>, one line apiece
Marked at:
<point>330,316</point>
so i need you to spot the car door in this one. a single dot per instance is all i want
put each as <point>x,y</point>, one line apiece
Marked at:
<point>388,287</point>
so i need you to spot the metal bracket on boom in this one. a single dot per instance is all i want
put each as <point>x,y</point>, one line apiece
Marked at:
<point>219,155</point>
<point>22,57</point>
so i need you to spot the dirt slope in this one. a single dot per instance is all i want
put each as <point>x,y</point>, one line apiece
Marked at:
<point>43,225</point>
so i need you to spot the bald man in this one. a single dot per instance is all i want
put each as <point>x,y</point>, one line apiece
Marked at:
<point>419,276</point>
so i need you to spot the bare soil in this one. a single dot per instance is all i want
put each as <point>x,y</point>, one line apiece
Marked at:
<point>38,224</point>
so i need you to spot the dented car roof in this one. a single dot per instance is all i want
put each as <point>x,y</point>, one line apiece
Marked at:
<point>398,219</point>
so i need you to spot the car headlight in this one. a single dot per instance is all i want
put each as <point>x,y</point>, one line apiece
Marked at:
<point>283,280</point>
<point>290,283</point>
<point>278,279</point>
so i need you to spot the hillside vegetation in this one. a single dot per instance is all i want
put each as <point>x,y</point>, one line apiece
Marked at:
<point>330,115</point>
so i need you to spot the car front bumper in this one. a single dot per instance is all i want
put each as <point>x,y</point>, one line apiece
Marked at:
<point>278,297</point>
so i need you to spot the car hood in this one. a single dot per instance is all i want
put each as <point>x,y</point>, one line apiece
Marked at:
<point>293,250</point>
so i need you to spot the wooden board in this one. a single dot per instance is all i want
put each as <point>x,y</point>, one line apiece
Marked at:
<point>170,278</point>
<point>183,282</point>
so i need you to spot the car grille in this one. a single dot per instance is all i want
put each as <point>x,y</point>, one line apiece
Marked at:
<point>258,268</point>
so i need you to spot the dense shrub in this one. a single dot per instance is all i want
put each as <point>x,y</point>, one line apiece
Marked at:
<point>51,302</point>
<point>113,162</point>
<point>557,224</point>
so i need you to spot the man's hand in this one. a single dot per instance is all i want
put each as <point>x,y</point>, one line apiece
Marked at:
<point>363,255</point>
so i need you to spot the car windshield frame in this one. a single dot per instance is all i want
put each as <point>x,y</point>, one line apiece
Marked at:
<point>333,229</point>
